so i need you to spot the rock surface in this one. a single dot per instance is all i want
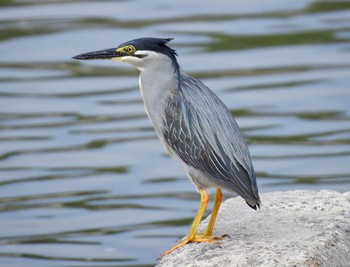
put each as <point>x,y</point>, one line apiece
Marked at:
<point>293,228</point>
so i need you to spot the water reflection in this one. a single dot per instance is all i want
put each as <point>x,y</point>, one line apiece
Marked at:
<point>84,180</point>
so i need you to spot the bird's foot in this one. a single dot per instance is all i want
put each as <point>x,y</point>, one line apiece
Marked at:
<point>199,238</point>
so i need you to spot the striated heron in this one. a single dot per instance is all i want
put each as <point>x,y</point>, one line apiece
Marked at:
<point>193,124</point>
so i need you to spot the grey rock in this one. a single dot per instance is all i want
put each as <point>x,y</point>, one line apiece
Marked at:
<point>294,228</point>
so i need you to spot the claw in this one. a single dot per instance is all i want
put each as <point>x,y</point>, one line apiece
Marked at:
<point>200,238</point>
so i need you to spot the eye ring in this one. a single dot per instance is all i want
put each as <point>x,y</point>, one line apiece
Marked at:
<point>130,49</point>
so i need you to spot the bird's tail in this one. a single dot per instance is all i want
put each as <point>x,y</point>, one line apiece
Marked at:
<point>254,204</point>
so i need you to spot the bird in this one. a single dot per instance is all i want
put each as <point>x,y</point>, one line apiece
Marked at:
<point>194,126</point>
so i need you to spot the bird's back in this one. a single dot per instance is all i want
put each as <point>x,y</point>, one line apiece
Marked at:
<point>202,132</point>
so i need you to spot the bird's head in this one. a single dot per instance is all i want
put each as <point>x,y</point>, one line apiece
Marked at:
<point>140,52</point>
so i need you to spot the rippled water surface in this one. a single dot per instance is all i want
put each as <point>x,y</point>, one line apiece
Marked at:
<point>84,180</point>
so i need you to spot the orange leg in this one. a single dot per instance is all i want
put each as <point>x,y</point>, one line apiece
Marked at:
<point>207,237</point>
<point>214,214</point>
<point>191,237</point>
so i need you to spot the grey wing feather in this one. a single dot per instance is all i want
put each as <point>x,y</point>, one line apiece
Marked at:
<point>201,131</point>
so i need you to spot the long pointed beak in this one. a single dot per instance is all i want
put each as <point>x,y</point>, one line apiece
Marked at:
<point>110,53</point>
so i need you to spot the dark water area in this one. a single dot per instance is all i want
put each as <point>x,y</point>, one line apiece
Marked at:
<point>84,180</point>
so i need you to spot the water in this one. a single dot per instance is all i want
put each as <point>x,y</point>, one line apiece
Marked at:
<point>84,180</point>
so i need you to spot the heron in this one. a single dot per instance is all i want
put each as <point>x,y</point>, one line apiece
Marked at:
<point>194,126</point>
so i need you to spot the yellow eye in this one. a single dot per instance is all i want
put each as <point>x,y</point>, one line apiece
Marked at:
<point>130,49</point>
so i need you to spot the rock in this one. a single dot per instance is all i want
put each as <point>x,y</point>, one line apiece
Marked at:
<point>294,228</point>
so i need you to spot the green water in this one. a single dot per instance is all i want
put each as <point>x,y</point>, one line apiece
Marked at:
<point>84,180</point>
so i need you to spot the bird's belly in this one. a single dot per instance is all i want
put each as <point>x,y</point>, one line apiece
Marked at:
<point>200,179</point>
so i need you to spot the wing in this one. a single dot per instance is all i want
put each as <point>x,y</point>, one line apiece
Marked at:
<point>202,132</point>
